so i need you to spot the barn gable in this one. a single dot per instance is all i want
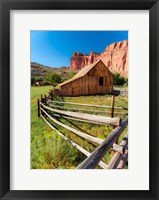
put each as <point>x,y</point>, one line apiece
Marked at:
<point>92,79</point>
<point>83,72</point>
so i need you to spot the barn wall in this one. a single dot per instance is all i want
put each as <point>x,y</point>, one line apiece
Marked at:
<point>89,84</point>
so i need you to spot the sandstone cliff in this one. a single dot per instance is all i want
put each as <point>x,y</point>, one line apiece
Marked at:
<point>115,57</point>
<point>80,60</point>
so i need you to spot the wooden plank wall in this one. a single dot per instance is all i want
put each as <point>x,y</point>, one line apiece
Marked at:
<point>89,84</point>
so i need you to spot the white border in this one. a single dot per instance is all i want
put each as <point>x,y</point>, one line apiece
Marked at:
<point>137,176</point>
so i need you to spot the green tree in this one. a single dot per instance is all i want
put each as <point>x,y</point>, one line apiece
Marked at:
<point>53,79</point>
<point>118,80</point>
<point>70,75</point>
<point>126,81</point>
<point>32,80</point>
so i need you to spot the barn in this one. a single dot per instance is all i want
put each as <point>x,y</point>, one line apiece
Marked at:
<point>91,80</point>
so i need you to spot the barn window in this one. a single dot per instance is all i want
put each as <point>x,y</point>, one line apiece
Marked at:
<point>101,81</point>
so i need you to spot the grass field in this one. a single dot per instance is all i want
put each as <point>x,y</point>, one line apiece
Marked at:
<point>50,151</point>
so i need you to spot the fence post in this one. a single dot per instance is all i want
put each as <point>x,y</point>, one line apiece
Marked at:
<point>112,114</point>
<point>38,108</point>
<point>52,95</point>
<point>112,107</point>
<point>45,99</point>
<point>41,98</point>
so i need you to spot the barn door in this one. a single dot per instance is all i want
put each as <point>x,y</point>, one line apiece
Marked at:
<point>100,84</point>
<point>101,81</point>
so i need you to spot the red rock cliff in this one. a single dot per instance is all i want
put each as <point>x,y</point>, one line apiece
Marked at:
<point>115,57</point>
<point>80,60</point>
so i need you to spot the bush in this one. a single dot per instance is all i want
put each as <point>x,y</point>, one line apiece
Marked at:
<point>118,80</point>
<point>33,80</point>
<point>36,79</point>
<point>53,79</point>
<point>126,82</point>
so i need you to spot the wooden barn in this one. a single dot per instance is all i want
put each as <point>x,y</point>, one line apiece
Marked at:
<point>91,80</point>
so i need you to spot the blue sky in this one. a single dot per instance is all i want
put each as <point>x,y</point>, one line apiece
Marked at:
<point>55,48</point>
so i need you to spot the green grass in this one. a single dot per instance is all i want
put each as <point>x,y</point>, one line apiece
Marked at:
<point>119,87</point>
<point>50,151</point>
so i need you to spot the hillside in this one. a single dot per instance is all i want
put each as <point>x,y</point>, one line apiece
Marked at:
<point>38,70</point>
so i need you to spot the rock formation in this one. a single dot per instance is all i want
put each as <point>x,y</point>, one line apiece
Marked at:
<point>80,60</point>
<point>115,57</point>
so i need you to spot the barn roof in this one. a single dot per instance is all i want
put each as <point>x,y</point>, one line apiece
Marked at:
<point>82,72</point>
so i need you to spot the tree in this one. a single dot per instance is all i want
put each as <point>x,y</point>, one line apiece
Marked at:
<point>126,81</point>
<point>70,75</point>
<point>33,80</point>
<point>118,80</point>
<point>53,79</point>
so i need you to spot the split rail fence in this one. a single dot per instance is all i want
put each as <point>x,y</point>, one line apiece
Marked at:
<point>51,109</point>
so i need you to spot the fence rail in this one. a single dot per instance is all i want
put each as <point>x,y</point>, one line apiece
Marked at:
<point>81,134</point>
<point>93,159</point>
<point>113,164</point>
<point>86,110</point>
<point>88,105</point>
<point>90,117</point>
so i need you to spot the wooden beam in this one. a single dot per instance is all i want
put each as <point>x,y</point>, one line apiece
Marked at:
<point>85,152</point>
<point>41,97</point>
<point>38,102</point>
<point>90,117</point>
<point>75,119</point>
<point>92,161</point>
<point>114,161</point>
<point>118,148</point>
<point>81,134</point>
<point>123,160</point>
<point>48,97</point>
<point>78,109</point>
<point>113,164</point>
<point>45,99</point>
<point>89,105</point>
<point>112,107</point>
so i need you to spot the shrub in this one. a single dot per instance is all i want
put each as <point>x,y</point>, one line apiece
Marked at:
<point>53,79</point>
<point>33,80</point>
<point>118,80</point>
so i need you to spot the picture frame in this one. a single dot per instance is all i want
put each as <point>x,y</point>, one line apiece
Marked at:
<point>5,7</point>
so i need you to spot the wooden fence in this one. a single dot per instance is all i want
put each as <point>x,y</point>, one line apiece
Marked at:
<point>120,92</point>
<point>50,108</point>
<point>99,152</point>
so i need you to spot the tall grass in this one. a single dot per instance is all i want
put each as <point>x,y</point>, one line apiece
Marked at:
<point>48,150</point>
